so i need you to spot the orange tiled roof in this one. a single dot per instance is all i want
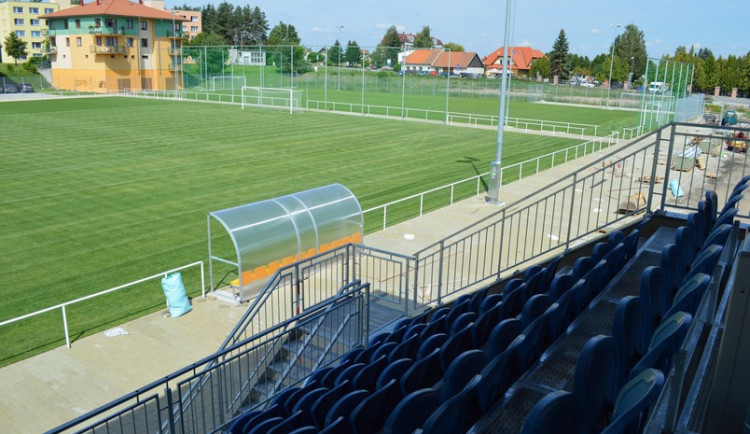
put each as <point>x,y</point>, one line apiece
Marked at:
<point>118,8</point>
<point>440,58</point>
<point>521,57</point>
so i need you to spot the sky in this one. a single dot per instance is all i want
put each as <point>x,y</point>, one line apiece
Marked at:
<point>478,25</point>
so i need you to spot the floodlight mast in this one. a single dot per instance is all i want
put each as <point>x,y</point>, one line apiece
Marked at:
<point>493,193</point>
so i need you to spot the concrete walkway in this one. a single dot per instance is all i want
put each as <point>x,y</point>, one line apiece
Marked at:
<point>47,390</point>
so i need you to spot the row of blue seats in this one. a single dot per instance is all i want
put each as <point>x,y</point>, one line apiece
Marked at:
<point>619,377</point>
<point>427,347</point>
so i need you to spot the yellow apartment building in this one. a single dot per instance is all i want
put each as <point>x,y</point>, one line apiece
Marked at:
<point>23,19</point>
<point>114,45</point>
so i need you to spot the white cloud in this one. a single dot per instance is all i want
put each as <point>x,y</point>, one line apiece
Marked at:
<point>658,41</point>
<point>526,43</point>
<point>696,46</point>
<point>320,30</point>
<point>649,44</point>
<point>594,31</point>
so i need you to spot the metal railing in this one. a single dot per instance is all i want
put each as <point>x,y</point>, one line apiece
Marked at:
<point>508,174</point>
<point>108,49</point>
<point>174,404</point>
<point>62,306</point>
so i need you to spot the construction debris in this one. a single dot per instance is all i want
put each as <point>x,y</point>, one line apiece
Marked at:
<point>634,202</point>
<point>647,179</point>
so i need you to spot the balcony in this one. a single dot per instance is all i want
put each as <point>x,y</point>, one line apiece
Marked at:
<point>109,31</point>
<point>49,32</point>
<point>108,49</point>
<point>176,34</point>
<point>49,49</point>
<point>174,51</point>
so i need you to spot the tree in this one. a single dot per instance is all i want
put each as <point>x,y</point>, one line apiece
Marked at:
<point>540,68</point>
<point>452,46</point>
<point>334,54</point>
<point>283,34</point>
<point>632,43</point>
<point>15,46</point>
<point>210,61</point>
<point>558,57</point>
<point>353,54</point>
<point>423,39</point>
<point>388,49</point>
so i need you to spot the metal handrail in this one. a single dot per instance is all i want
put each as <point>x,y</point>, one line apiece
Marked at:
<point>62,306</point>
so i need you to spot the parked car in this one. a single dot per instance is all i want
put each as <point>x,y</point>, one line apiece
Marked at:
<point>26,88</point>
<point>9,88</point>
<point>587,84</point>
<point>423,72</point>
<point>616,85</point>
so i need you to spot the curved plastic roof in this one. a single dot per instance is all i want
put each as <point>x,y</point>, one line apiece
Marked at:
<point>275,232</point>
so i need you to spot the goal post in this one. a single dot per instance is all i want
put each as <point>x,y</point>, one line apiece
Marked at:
<point>227,82</point>
<point>272,97</point>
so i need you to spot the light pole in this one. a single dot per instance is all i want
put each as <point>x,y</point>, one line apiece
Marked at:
<point>612,59</point>
<point>338,71</point>
<point>630,75</point>
<point>493,193</point>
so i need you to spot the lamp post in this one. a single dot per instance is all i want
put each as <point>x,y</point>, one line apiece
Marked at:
<point>338,70</point>
<point>612,59</point>
<point>493,193</point>
<point>630,74</point>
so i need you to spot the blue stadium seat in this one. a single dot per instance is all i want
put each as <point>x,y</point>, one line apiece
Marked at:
<point>477,298</point>
<point>394,370</point>
<point>461,322</point>
<point>456,311</point>
<point>348,374</point>
<point>727,217</point>
<point>431,329</point>
<point>600,250</point>
<point>537,339</point>
<point>351,355</point>
<point>615,260</point>
<point>706,261</point>
<point>558,315</point>
<point>499,374</point>
<point>582,266</point>
<point>346,405</point>
<point>690,294</point>
<point>532,285</point>
<point>406,349</point>
<point>550,270</point>
<point>672,268</point>
<point>596,279</point>
<point>370,415</point>
<point>579,299</point>
<point>414,330</point>
<point>291,423</point>
<point>615,238</point>
<point>456,344</point>
<point>329,379</point>
<point>655,297</point>
<point>423,373</point>
<point>732,202</point>
<point>512,285</point>
<point>323,404</point>
<point>512,303</point>
<point>719,235</point>
<point>712,205</point>
<point>384,350</point>
<point>531,272</point>
<point>366,355</point>
<point>631,244</point>
<point>412,412</point>
<point>270,412</point>
<point>398,333</point>
<point>457,414</point>
<point>697,221</point>
<point>294,397</point>
<point>368,376</point>
<point>439,314</point>
<point>664,341</point>
<point>238,423</point>
<point>378,339</point>
<point>633,402</point>
<point>282,396</point>
<point>309,429</point>
<point>461,370</point>
<point>596,382</point>
<point>502,335</point>
<point>685,240</point>
<point>534,308</point>
<point>560,284</point>
<point>489,302</point>
<point>483,326</point>
<point>435,341</point>
<point>631,330</point>
<point>266,425</point>
<point>339,426</point>
<point>556,413</point>
<point>305,404</point>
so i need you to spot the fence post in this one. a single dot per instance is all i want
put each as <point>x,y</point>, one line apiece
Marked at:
<point>500,247</point>
<point>416,282</point>
<point>385,213</point>
<point>572,203</point>
<point>440,273</point>
<point>65,326</point>
<point>170,413</point>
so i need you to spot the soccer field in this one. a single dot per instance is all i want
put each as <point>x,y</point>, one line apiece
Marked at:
<point>99,192</point>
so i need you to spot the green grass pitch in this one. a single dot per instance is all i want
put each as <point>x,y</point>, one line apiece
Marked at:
<point>99,192</point>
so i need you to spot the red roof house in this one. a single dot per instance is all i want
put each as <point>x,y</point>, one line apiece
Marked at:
<point>520,60</point>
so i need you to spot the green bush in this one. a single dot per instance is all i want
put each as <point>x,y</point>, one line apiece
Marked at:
<point>31,64</point>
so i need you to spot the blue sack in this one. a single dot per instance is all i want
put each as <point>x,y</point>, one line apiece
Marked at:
<point>674,186</point>
<point>177,299</point>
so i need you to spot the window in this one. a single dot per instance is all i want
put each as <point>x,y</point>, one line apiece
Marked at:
<point>98,40</point>
<point>145,56</point>
<point>144,25</point>
<point>17,10</point>
<point>194,19</point>
<point>184,28</point>
<point>48,10</point>
<point>79,41</point>
<point>194,28</point>
<point>78,23</point>
<point>34,22</point>
<point>18,21</point>
<point>144,42</point>
<point>67,42</point>
<point>129,42</point>
<point>129,24</point>
<point>21,33</point>
<point>52,25</point>
<point>36,33</point>
<point>111,42</point>
<point>110,23</point>
<point>97,22</point>
<point>34,11</point>
<point>36,45</point>
<point>37,55</point>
